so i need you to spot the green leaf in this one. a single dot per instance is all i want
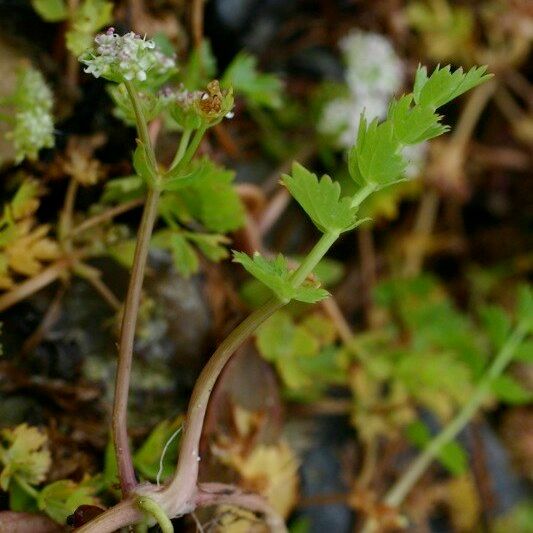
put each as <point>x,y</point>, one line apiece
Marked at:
<point>146,458</point>
<point>20,500</point>
<point>376,158</point>
<point>275,274</point>
<point>321,200</point>
<point>304,365</point>
<point>60,499</point>
<point>525,306</point>
<point>444,85</point>
<point>414,124</point>
<point>26,199</point>
<point>142,165</point>
<point>452,455</point>
<point>122,252</point>
<point>123,189</point>
<point>508,390</point>
<point>212,246</point>
<point>110,473</point>
<point>518,519</point>
<point>91,16</point>
<point>211,198</point>
<point>201,67</point>
<point>51,10</point>
<point>151,104</point>
<point>259,88</point>
<point>183,254</point>
<point>524,352</point>
<point>497,325</point>
<point>175,180</point>
<point>279,338</point>
<point>328,271</point>
<point>437,380</point>
<point>23,454</point>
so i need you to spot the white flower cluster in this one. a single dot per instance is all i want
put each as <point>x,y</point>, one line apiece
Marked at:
<point>374,72</point>
<point>372,66</point>
<point>34,129</point>
<point>34,125</point>
<point>125,57</point>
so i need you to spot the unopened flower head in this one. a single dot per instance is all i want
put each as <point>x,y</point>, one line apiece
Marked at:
<point>192,109</point>
<point>372,65</point>
<point>125,57</point>
<point>34,129</point>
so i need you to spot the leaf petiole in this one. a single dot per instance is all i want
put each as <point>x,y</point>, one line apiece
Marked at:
<point>150,507</point>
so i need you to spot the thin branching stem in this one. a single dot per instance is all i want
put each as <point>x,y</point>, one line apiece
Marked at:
<point>396,495</point>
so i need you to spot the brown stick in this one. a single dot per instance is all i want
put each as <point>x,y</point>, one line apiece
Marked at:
<point>197,22</point>
<point>104,216</point>
<point>38,282</point>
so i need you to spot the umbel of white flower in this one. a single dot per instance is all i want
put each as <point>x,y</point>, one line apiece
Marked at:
<point>372,65</point>
<point>34,125</point>
<point>34,129</point>
<point>127,57</point>
<point>374,73</point>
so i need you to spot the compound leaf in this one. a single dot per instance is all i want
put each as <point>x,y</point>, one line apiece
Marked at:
<point>275,274</point>
<point>444,85</point>
<point>321,200</point>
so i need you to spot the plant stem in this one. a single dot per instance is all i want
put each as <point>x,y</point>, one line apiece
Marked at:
<point>127,336</point>
<point>131,306</point>
<point>362,194</point>
<point>65,221</point>
<point>152,508</point>
<point>184,141</point>
<point>191,149</point>
<point>27,488</point>
<point>142,126</point>
<point>121,515</point>
<point>181,488</point>
<point>183,484</point>
<point>404,485</point>
<point>313,258</point>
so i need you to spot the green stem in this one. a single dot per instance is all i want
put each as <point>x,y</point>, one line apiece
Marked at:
<point>362,194</point>
<point>150,507</point>
<point>403,486</point>
<point>184,141</point>
<point>142,125</point>
<point>191,149</point>
<point>26,487</point>
<point>313,258</point>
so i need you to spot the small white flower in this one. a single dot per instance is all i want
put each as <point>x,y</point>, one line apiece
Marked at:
<point>34,129</point>
<point>341,116</point>
<point>125,57</point>
<point>372,65</point>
